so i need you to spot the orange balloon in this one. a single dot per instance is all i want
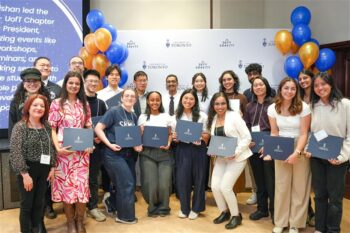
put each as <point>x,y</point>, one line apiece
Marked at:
<point>316,71</point>
<point>294,48</point>
<point>89,43</point>
<point>100,63</point>
<point>87,57</point>
<point>103,39</point>
<point>308,54</point>
<point>283,41</point>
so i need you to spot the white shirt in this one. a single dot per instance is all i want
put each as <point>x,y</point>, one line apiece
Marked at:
<point>288,126</point>
<point>107,93</point>
<point>203,105</point>
<point>160,120</point>
<point>166,101</point>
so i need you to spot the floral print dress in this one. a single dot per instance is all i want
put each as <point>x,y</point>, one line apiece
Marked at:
<point>71,183</point>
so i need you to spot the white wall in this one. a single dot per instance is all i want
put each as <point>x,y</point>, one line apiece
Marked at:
<point>330,18</point>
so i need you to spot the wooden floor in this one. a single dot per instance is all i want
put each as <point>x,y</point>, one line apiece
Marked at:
<point>9,220</point>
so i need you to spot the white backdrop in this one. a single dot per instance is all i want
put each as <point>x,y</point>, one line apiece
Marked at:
<point>211,51</point>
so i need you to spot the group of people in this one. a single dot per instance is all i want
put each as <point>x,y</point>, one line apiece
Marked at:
<point>48,171</point>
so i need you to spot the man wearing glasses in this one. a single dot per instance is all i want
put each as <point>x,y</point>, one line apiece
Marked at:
<point>76,64</point>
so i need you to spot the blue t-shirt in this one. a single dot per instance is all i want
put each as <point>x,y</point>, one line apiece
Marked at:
<point>114,117</point>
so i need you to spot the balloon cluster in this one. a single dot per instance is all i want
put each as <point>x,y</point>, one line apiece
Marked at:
<point>300,41</point>
<point>101,47</point>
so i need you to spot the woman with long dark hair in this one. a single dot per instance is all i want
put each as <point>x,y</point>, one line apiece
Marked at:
<point>264,171</point>
<point>222,121</point>
<point>328,176</point>
<point>191,158</point>
<point>289,116</point>
<point>156,164</point>
<point>199,84</point>
<point>305,79</point>
<point>71,184</point>
<point>33,158</point>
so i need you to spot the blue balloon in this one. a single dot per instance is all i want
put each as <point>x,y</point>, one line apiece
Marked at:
<point>95,19</point>
<point>115,52</point>
<point>315,41</point>
<point>111,29</point>
<point>301,33</point>
<point>104,82</point>
<point>300,15</point>
<point>326,59</point>
<point>123,77</point>
<point>293,66</point>
<point>125,54</point>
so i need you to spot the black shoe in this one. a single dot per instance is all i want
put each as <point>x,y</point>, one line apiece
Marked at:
<point>135,198</point>
<point>224,216</point>
<point>49,212</point>
<point>258,215</point>
<point>41,227</point>
<point>234,222</point>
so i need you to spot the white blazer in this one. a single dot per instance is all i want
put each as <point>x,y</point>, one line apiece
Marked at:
<point>235,126</point>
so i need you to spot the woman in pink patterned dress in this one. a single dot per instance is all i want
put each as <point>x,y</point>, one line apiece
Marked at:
<point>71,184</point>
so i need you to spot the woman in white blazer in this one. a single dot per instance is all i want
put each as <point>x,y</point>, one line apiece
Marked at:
<point>222,121</point>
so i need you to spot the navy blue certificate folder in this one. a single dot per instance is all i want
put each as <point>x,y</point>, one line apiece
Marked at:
<point>95,120</point>
<point>78,138</point>
<point>258,138</point>
<point>279,148</point>
<point>154,136</point>
<point>327,148</point>
<point>188,131</point>
<point>222,146</point>
<point>128,136</point>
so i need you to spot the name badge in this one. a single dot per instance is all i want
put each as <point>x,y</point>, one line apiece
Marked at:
<point>320,135</point>
<point>256,128</point>
<point>45,159</point>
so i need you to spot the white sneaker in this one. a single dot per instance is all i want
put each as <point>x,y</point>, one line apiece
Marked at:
<point>293,230</point>
<point>193,215</point>
<point>277,230</point>
<point>181,215</point>
<point>252,199</point>
<point>97,215</point>
<point>126,222</point>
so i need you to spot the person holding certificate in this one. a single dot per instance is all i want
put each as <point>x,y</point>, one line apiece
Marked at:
<point>32,158</point>
<point>222,121</point>
<point>330,116</point>
<point>289,116</point>
<point>119,161</point>
<point>156,164</point>
<point>191,158</point>
<point>264,171</point>
<point>71,183</point>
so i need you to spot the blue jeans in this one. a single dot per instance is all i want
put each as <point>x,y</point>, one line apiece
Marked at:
<point>121,171</point>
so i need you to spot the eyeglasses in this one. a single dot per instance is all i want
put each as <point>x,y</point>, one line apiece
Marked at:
<point>77,63</point>
<point>31,81</point>
<point>220,104</point>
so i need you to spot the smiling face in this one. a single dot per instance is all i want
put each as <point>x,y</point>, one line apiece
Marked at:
<point>44,66</point>
<point>288,90</point>
<point>259,87</point>
<point>322,89</point>
<point>220,106</point>
<point>32,86</point>
<point>171,84</point>
<point>91,83</point>
<point>154,101</point>
<point>128,98</point>
<point>141,83</point>
<point>37,108</point>
<point>73,85</point>
<point>199,84</point>
<point>76,64</point>
<point>304,81</point>
<point>228,82</point>
<point>188,101</point>
<point>113,78</point>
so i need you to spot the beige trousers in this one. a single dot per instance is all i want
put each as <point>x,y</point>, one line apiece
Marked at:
<point>292,192</point>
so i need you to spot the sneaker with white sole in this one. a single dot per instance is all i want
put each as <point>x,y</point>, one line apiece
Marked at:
<point>126,221</point>
<point>107,204</point>
<point>293,230</point>
<point>181,215</point>
<point>252,199</point>
<point>277,230</point>
<point>97,215</point>
<point>193,215</point>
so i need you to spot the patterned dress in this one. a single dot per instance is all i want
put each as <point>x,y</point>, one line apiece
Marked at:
<point>71,183</point>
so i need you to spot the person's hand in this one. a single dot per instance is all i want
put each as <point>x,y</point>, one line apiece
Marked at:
<point>232,157</point>
<point>97,140</point>
<point>51,175</point>
<point>334,161</point>
<point>292,159</point>
<point>251,144</point>
<point>261,152</point>
<point>174,136</point>
<point>65,150</point>
<point>138,148</point>
<point>27,182</point>
<point>165,147</point>
<point>307,154</point>
<point>267,157</point>
<point>89,150</point>
<point>115,147</point>
<point>197,143</point>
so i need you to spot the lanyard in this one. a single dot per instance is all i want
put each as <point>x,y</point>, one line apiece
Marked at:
<point>256,109</point>
<point>41,143</point>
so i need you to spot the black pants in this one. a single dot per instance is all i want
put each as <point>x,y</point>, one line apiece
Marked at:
<point>264,175</point>
<point>191,166</point>
<point>95,165</point>
<point>328,182</point>
<point>32,202</point>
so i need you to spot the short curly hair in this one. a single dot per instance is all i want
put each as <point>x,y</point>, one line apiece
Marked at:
<point>253,67</point>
